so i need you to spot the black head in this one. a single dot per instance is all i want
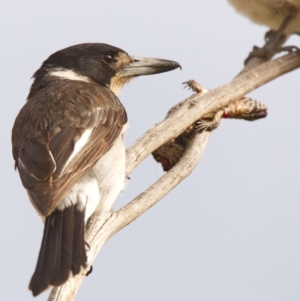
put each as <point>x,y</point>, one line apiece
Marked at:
<point>100,63</point>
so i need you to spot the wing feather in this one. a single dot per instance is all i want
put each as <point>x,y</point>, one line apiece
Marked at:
<point>47,129</point>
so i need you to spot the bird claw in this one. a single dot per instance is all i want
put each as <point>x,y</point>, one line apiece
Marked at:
<point>289,49</point>
<point>262,53</point>
<point>265,53</point>
<point>269,34</point>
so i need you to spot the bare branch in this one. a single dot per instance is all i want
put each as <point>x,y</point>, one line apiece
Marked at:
<point>101,228</point>
<point>165,184</point>
<point>197,106</point>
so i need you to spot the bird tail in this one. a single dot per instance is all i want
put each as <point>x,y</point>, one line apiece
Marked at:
<point>62,250</point>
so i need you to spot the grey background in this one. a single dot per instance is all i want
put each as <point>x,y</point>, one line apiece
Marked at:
<point>231,230</point>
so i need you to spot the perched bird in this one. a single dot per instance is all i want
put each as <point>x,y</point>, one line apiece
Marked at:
<point>271,13</point>
<point>282,16</point>
<point>67,143</point>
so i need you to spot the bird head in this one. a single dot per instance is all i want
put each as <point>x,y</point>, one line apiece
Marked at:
<point>102,64</point>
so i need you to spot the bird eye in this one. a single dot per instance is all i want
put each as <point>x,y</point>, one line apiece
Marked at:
<point>107,59</point>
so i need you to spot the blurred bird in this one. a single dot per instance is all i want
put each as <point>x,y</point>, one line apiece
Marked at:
<point>271,13</point>
<point>67,143</point>
<point>282,16</point>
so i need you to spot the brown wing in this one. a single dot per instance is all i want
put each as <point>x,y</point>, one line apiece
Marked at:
<point>47,129</point>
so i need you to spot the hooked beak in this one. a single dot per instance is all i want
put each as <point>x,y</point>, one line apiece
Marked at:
<point>147,66</point>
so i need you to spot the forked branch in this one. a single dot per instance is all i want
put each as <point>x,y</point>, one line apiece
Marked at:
<point>100,229</point>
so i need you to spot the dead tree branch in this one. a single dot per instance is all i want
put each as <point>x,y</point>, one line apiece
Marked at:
<point>197,106</point>
<point>101,228</point>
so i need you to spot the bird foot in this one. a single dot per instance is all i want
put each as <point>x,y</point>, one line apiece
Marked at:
<point>274,39</point>
<point>258,52</point>
<point>265,52</point>
<point>289,49</point>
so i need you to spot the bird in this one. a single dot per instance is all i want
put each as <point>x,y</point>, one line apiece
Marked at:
<point>281,16</point>
<point>271,13</point>
<point>67,144</point>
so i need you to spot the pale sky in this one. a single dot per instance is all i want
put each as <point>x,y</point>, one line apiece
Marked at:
<point>230,231</point>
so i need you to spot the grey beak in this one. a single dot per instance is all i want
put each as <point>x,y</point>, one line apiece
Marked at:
<point>146,66</point>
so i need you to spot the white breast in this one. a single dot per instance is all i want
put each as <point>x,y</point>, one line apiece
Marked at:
<point>110,173</point>
<point>98,189</point>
